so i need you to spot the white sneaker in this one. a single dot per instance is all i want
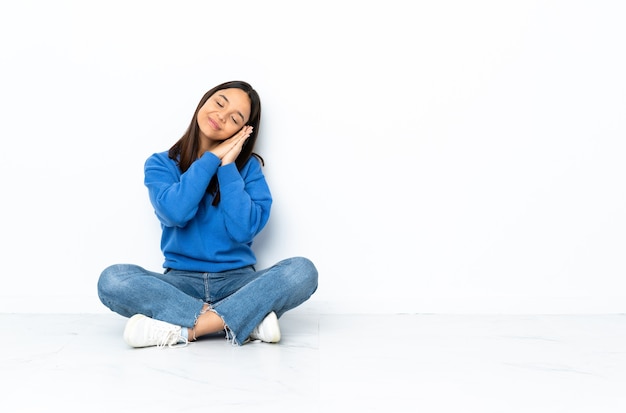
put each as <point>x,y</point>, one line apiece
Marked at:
<point>143,331</point>
<point>268,331</point>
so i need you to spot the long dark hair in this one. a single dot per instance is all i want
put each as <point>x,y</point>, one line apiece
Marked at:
<point>185,150</point>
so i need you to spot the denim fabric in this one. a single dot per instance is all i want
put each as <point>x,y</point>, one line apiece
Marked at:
<point>242,297</point>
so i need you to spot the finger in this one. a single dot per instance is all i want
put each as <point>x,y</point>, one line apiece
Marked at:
<point>246,131</point>
<point>237,137</point>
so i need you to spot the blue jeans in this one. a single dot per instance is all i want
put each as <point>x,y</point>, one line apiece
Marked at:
<point>242,297</point>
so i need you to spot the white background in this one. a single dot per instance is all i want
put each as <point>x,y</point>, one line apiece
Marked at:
<point>429,156</point>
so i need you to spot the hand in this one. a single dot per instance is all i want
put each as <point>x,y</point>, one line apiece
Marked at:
<point>229,150</point>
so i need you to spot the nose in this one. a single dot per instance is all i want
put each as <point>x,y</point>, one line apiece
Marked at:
<point>220,116</point>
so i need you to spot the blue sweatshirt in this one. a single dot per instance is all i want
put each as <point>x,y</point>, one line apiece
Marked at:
<point>197,236</point>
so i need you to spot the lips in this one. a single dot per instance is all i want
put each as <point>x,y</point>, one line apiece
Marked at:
<point>213,124</point>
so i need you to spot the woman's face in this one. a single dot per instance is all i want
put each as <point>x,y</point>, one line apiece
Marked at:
<point>221,116</point>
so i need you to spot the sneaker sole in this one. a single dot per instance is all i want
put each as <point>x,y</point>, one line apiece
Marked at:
<point>130,324</point>
<point>275,336</point>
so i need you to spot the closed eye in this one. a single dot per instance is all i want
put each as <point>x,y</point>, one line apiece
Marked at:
<point>222,104</point>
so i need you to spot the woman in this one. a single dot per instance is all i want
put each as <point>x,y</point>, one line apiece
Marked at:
<point>211,198</point>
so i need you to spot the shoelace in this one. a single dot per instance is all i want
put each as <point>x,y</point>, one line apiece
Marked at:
<point>169,338</point>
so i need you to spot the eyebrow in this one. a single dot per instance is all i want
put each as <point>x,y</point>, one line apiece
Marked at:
<point>228,101</point>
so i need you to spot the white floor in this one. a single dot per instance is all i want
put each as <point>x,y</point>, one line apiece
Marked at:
<point>352,363</point>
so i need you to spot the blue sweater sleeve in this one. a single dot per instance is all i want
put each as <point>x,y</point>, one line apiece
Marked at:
<point>245,200</point>
<point>175,196</point>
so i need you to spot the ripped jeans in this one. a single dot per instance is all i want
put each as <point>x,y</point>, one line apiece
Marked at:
<point>241,297</point>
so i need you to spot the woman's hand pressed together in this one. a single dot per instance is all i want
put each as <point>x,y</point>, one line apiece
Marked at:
<point>229,150</point>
